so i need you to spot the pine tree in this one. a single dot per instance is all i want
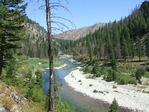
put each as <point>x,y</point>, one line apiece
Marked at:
<point>126,42</point>
<point>124,48</point>
<point>139,48</point>
<point>145,8</point>
<point>11,25</point>
<point>110,48</point>
<point>39,78</point>
<point>116,43</point>
<point>132,49</point>
<point>89,47</point>
<point>147,47</point>
<point>114,106</point>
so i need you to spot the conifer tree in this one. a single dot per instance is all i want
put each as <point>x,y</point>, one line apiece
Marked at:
<point>132,49</point>
<point>124,48</point>
<point>147,47</point>
<point>110,48</point>
<point>89,46</point>
<point>39,78</point>
<point>116,43</point>
<point>139,48</point>
<point>12,17</point>
<point>114,106</point>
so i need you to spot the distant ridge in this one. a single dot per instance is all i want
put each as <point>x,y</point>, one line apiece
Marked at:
<point>78,33</point>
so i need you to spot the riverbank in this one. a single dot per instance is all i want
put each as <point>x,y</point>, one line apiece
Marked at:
<point>128,96</point>
<point>60,66</point>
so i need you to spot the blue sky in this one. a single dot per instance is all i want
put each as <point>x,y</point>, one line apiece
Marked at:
<point>85,12</point>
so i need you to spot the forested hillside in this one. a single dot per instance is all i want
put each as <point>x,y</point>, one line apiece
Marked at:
<point>35,43</point>
<point>122,39</point>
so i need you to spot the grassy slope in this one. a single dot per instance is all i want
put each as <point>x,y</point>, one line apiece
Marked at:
<point>38,63</point>
<point>24,64</point>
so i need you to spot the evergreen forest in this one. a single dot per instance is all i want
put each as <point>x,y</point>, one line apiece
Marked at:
<point>119,40</point>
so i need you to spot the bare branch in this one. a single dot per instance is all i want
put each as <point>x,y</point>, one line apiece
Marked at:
<point>35,2</point>
<point>39,8</point>
<point>58,30</point>
<point>59,23</point>
<point>60,6</point>
<point>64,19</point>
<point>65,0</point>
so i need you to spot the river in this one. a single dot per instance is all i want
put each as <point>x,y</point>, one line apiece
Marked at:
<point>78,100</point>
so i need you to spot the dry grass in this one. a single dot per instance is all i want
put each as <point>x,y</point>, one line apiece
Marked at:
<point>141,86</point>
<point>146,83</point>
<point>33,107</point>
<point>17,89</point>
<point>135,63</point>
<point>7,102</point>
<point>2,89</point>
<point>7,93</point>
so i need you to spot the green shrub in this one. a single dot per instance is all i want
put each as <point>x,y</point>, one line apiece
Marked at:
<point>104,70</point>
<point>132,81</point>
<point>147,68</point>
<point>125,79</point>
<point>95,91</point>
<point>114,86</point>
<point>90,85</point>
<point>100,92</point>
<point>90,77</point>
<point>124,70</point>
<point>139,73</point>
<point>79,81</point>
<point>97,74</point>
<point>88,69</point>
<point>146,74</point>
<point>37,94</point>
<point>96,70</point>
<point>114,63</point>
<point>111,75</point>
<point>145,91</point>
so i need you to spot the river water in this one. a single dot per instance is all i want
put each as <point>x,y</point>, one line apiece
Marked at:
<point>78,100</point>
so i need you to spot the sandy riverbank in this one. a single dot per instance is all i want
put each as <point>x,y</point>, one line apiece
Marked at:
<point>59,67</point>
<point>128,96</point>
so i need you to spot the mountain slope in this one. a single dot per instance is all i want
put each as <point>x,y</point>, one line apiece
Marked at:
<point>78,33</point>
<point>35,44</point>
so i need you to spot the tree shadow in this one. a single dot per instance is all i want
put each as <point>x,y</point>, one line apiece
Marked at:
<point>138,61</point>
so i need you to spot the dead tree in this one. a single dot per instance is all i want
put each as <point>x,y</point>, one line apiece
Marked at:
<point>50,54</point>
<point>49,21</point>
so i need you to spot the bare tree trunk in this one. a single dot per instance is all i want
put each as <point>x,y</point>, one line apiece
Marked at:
<point>1,62</point>
<point>50,54</point>
<point>1,57</point>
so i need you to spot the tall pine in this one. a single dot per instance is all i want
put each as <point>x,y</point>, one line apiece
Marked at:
<point>139,48</point>
<point>12,17</point>
<point>89,47</point>
<point>147,47</point>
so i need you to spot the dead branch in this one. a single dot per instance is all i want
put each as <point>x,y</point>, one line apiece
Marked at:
<point>60,23</point>
<point>59,6</point>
